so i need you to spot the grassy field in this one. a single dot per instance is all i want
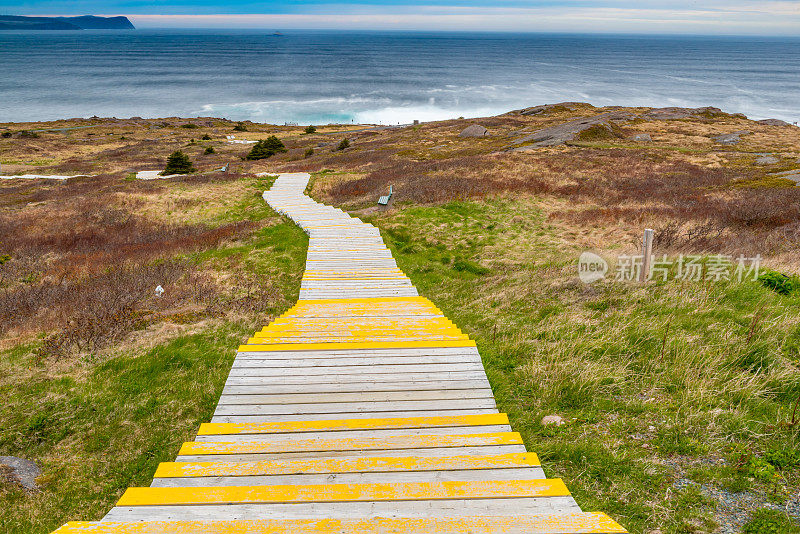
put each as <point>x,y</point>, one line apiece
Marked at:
<point>100,409</point>
<point>680,399</point>
<point>673,393</point>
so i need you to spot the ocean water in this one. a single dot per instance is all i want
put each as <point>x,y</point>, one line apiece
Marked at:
<point>388,78</point>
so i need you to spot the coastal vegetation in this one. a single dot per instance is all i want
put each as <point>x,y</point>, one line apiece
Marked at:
<point>179,163</point>
<point>680,398</point>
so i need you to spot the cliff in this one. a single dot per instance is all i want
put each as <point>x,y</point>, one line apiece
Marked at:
<point>86,22</point>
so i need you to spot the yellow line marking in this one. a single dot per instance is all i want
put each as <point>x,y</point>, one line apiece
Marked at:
<point>580,523</point>
<point>356,345</point>
<point>344,465</point>
<point>197,448</point>
<point>213,429</point>
<point>406,491</point>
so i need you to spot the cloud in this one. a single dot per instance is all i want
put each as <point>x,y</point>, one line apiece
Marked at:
<point>779,18</point>
<point>761,17</point>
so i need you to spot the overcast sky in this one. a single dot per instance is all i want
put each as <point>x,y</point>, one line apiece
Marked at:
<point>713,17</point>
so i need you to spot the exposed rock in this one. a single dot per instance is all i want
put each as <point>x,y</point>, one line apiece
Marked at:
<point>731,138</point>
<point>546,107</point>
<point>642,137</point>
<point>673,113</point>
<point>767,160</point>
<point>476,130</point>
<point>560,134</point>
<point>773,122</point>
<point>553,420</point>
<point>24,471</point>
<point>789,175</point>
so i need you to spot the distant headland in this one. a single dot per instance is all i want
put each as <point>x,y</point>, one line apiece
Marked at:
<point>86,22</point>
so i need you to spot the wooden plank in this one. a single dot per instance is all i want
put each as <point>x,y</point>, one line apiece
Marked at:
<point>574,523</point>
<point>365,397</point>
<point>359,378</point>
<point>357,424</point>
<point>512,507</point>
<point>345,407</point>
<point>359,444</point>
<point>355,345</point>
<point>353,370</point>
<point>297,493</point>
<point>343,415</point>
<point>395,477</point>
<point>367,453</point>
<point>421,385</point>
<point>345,465</point>
<point>355,433</point>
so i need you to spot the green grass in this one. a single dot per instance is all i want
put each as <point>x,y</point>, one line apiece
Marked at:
<point>98,424</point>
<point>653,381</point>
<point>97,429</point>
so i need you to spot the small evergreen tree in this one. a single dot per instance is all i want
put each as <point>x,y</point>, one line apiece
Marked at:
<point>209,150</point>
<point>344,144</point>
<point>266,148</point>
<point>310,129</point>
<point>178,163</point>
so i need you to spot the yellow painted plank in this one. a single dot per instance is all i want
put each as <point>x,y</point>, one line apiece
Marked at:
<point>193,448</point>
<point>344,465</point>
<point>358,345</point>
<point>407,491</point>
<point>581,523</point>
<point>211,429</point>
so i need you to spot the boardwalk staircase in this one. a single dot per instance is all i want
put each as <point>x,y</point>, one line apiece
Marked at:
<point>360,410</point>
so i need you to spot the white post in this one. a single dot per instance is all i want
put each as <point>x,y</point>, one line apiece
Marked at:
<point>647,252</point>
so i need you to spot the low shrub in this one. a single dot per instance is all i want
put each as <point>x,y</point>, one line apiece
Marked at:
<point>240,127</point>
<point>310,129</point>
<point>766,521</point>
<point>309,153</point>
<point>208,150</point>
<point>189,126</point>
<point>779,282</point>
<point>344,144</point>
<point>178,163</point>
<point>266,148</point>
<point>206,137</point>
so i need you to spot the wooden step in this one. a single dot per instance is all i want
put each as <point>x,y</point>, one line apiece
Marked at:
<point>579,523</point>
<point>296,493</point>
<point>345,465</point>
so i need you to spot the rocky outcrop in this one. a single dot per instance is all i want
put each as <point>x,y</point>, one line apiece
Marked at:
<point>731,138</point>
<point>536,110</point>
<point>476,130</point>
<point>560,134</point>
<point>642,138</point>
<point>766,160</point>
<point>773,122</point>
<point>22,471</point>
<point>672,113</point>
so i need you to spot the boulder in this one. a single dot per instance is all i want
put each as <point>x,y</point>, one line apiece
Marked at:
<point>24,471</point>
<point>730,138</point>
<point>767,160</point>
<point>553,420</point>
<point>560,134</point>
<point>773,122</point>
<point>476,130</point>
<point>642,137</point>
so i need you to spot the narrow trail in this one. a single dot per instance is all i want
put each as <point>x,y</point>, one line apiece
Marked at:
<point>362,409</point>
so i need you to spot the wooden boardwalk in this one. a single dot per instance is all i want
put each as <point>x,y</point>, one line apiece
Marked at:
<point>360,410</point>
